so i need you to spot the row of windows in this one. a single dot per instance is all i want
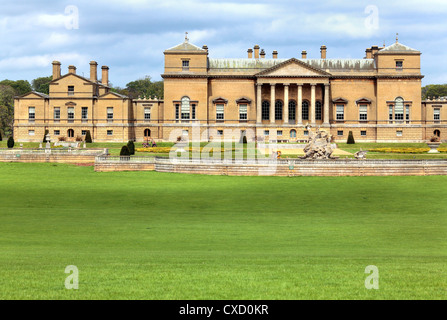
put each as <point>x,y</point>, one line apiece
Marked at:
<point>84,113</point>
<point>292,110</point>
<point>70,133</point>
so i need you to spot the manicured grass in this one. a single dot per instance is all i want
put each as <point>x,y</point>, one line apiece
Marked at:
<point>147,235</point>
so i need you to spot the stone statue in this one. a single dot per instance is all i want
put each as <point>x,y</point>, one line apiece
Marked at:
<point>318,146</point>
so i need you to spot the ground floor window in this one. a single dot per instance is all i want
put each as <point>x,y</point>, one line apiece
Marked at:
<point>292,110</point>
<point>57,132</point>
<point>70,133</point>
<point>265,110</point>
<point>318,111</point>
<point>437,133</point>
<point>266,132</point>
<point>220,133</point>
<point>110,132</point>
<point>279,132</point>
<point>83,132</point>
<point>339,132</point>
<point>147,132</point>
<point>278,110</point>
<point>306,133</point>
<point>31,132</point>
<point>363,133</point>
<point>399,133</point>
<point>292,133</point>
<point>243,112</point>
<point>340,110</point>
<point>305,110</point>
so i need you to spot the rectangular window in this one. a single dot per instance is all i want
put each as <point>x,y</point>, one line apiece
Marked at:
<point>57,132</point>
<point>31,132</point>
<point>185,65</point>
<point>390,112</point>
<point>185,133</point>
<point>110,132</point>
<point>399,111</point>
<point>219,111</point>
<point>399,65</point>
<point>305,111</point>
<point>70,114</point>
<point>84,113</point>
<point>177,111</point>
<point>339,132</point>
<point>407,112</point>
<point>363,110</point>
<point>220,133</point>
<point>306,133</point>
<point>266,132</point>
<point>318,112</point>
<point>242,112</point>
<point>147,113</point>
<point>340,112</point>
<point>109,114</point>
<point>57,113</point>
<point>436,114</point>
<point>279,132</point>
<point>83,132</point>
<point>363,133</point>
<point>399,133</point>
<point>71,90</point>
<point>31,113</point>
<point>193,112</point>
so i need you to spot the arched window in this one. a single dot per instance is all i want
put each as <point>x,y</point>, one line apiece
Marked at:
<point>318,110</point>
<point>185,108</point>
<point>70,133</point>
<point>147,132</point>
<point>265,110</point>
<point>399,109</point>
<point>278,110</point>
<point>292,110</point>
<point>437,133</point>
<point>305,110</point>
<point>293,133</point>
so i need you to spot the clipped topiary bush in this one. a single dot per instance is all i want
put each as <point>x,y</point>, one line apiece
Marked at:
<point>88,137</point>
<point>10,142</point>
<point>350,138</point>
<point>131,147</point>
<point>125,151</point>
<point>244,140</point>
<point>1,139</point>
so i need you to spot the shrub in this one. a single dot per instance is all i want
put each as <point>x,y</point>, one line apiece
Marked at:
<point>45,136</point>
<point>88,137</point>
<point>1,139</point>
<point>435,139</point>
<point>78,138</point>
<point>131,147</point>
<point>10,142</point>
<point>350,138</point>
<point>125,151</point>
<point>62,139</point>
<point>244,140</point>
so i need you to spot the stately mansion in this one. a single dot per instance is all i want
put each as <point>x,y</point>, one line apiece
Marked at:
<point>377,97</point>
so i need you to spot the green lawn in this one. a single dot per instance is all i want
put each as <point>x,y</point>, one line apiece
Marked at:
<point>148,235</point>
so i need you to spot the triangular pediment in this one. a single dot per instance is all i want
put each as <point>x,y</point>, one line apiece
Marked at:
<point>293,67</point>
<point>33,95</point>
<point>112,95</point>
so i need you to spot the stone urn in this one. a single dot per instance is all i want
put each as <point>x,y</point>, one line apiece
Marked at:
<point>181,144</point>
<point>433,146</point>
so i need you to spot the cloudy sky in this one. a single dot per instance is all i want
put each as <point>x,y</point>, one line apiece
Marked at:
<point>130,36</point>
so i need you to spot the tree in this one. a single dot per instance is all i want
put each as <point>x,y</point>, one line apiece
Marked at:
<point>131,147</point>
<point>144,88</point>
<point>7,94</point>
<point>10,142</point>
<point>20,86</point>
<point>350,138</point>
<point>88,137</point>
<point>125,151</point>
<point>42,84</point>
<point>45,135</point>
<point>1,139</point>
<point>434,90</point>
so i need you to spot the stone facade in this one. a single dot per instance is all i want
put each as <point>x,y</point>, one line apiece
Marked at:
<point>378,98</point>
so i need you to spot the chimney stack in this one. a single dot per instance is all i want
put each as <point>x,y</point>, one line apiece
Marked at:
<point>275,54</point>
<point>374,50</point>
<point>93,71</point>
<point>72,69</point>
<point>56,70</point>
<point>105,75</point>
<point>304,54</point>
<point>256,51</point>
<point>205,47</point>
<point>250,53</point>
<point>262,54</point>
<point>323,51</point>
<point>368,53</point>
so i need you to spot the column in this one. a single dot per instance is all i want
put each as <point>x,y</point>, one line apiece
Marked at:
<point>326,105</point>
<point>312,104</point>
<point>272,103</point>
<point>259,103</point>
<point>286,103</point>
<point>300,105</point>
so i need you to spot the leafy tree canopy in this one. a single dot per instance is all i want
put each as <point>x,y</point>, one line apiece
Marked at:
<point>42,84</point>
<point>142,88</point>
<point>20,86</point>
<point>434,90</point>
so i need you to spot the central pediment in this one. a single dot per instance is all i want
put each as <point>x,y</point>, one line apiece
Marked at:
<point>293,68</point>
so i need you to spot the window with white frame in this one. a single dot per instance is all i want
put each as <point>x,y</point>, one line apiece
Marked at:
<point>83,132</point>
<point>279,133</point>
<point>220,111</point>
<point>31,132</point>
<point>340,112</point>
<point>363,133</point>
<point>57,113</point>
<point>185,108</point>
<point>70,114</point>
<point>363,112</point>
<point>407,113</point>
<point>147,114</point>
<point>339,132</point>
<point>57,132</point>
<point>390,112</point>
<point>71,90</point>
<point>399,133</point>
<point>31,113</point>
<point>243,111</point>
<point>399,109</point>
<point>399,64</point>
<point>109,114</point>
<point>436,114</point>
<point>266,132</point>
<point>193,111</point>
<point>177,111</point>
<point>84,113</point>
<point>185,65</point>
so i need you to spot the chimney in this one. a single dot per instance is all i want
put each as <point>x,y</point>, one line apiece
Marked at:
<point>93,71</point>
<point>56,70</point>
<point>250,53</point>
<point>323,50</point>
<point>105,75</point>
<point>303,54</point>
<point>368,53</point>
<point>262,54</point>
<point>275,54</point>
<point>205,47</point>
<point>72,69</point>
<point>256,51</point>
<point>374,50</point>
